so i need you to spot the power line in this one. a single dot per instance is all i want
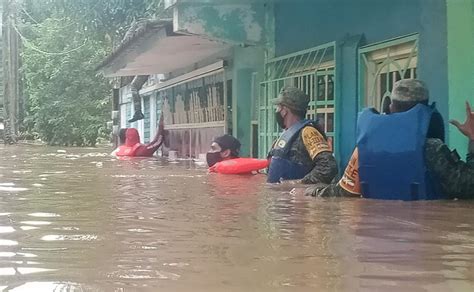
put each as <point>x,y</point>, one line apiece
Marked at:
<point>29,44</point>
<point>29,15</point>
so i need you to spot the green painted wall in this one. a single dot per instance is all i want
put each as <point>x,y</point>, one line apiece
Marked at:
<point>460,23</point>
<point>232,22</point>
<point>245,62</point>
<point>241,25</point>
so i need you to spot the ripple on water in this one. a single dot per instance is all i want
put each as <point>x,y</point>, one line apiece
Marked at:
<point>145,223</point>
<point>140,274</point>
<point>22,271</point>
<point>19,254</point>
<point>9,184</point>
<point>7,229</point>
<point>37,223</point>
<point>12,189</point>
<point>44,215</point>
<point>47,287</point>
<point>6,242</point>
<point>26,228</point>
<point>74,237</point>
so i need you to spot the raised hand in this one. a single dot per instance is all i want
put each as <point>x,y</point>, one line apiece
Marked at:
<point>468,127</point>
<point>161,125</point>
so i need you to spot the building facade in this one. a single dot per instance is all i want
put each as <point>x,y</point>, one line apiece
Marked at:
<point>345,54</point>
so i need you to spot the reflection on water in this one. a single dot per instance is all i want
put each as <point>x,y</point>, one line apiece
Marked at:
<point>79,220</point>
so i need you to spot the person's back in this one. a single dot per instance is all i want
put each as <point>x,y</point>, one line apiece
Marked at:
<point>131,146</point>
<point>442,169</point>
<point>390,149</point>
<point>132,143</point>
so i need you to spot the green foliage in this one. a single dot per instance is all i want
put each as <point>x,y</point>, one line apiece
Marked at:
<point>107,18</point>
<point>67,102</point>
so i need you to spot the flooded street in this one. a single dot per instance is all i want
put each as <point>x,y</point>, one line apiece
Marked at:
<point>79,220</point>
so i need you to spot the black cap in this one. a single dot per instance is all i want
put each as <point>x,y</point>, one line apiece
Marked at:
<point>228,142</point>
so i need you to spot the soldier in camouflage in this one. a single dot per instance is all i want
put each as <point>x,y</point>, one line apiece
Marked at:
<point>303,144</point>
<point>456,177</point>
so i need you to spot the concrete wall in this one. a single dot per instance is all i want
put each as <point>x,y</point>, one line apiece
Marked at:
<point>304,24</point>
<point>239,24</point>
<point>245,62</point>
<point>230,21</point>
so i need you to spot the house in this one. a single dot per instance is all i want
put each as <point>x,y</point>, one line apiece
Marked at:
<point>345,54</point>
<point>202,85</point>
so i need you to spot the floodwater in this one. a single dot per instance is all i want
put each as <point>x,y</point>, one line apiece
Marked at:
<point>79,220</point>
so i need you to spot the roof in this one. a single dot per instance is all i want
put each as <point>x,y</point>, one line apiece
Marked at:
<point>152,47</point>
<point>136,31</point>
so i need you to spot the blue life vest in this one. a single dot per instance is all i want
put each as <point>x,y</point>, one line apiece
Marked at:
<point>391,155</point>
<point>281,167</point>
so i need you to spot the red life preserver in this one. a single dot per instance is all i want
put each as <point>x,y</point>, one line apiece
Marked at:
<point>239,165</point>
<point>132,142</point>
<point>127,150</point>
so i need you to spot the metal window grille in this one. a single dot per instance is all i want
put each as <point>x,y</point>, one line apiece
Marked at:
<point>382,65</point>
<point>146,120</point>
<point>311,70</point>
<point>128,113</point>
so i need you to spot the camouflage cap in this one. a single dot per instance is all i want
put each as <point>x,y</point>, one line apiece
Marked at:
<point>411,90</point>
<point>293,98</point>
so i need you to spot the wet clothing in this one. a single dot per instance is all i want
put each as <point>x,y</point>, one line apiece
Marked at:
<point>456,177</point>
<point>132,142</point>
<point>401,166</point>
<point>304,154</point>
<point>137,84</point>
<point>390,155</point>
<point>133,147</point>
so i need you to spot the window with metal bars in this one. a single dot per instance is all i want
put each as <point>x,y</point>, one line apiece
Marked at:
<point>382,65</point>
<point>146,120</point>
<point>198,101</point>
<point>312,71</point>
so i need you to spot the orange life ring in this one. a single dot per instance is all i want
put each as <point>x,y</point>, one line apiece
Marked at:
<point>239,165</point>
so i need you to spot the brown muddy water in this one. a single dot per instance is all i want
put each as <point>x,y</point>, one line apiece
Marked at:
<point>82,221</point>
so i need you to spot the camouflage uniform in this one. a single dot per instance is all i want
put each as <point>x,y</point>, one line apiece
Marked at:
<point>137,84</point>
<point>323,165</point>
<point>311,148</point>
<point>455,176</point>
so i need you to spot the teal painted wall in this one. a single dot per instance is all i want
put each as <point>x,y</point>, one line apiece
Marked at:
<point>232,22</point>
<point>242,26</point>
<point>304,24</point>
<point>460,65</point>
<point>245,62</point>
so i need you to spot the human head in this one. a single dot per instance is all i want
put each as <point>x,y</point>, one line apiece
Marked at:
<point>292,104</point>
<point>121,135</point>
<point>132,137</point>
<point>222,148</point>
<point>407,93</point>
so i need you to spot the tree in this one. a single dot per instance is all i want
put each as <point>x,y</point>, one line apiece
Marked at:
<point>107,19</point>
<point>64,42</point>
<point>12,101</point>
<point>67,99</point>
